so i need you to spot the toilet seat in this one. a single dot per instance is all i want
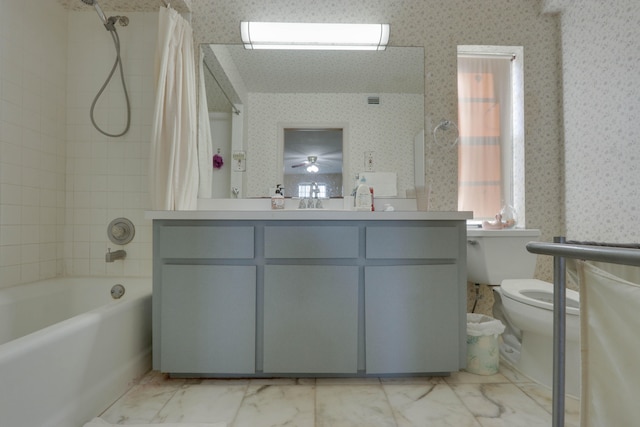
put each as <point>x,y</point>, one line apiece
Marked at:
<point>537,293</point>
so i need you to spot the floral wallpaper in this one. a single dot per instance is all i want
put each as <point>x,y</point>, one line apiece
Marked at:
<point>601,89</point>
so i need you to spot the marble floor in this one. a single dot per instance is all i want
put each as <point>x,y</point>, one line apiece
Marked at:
<point>463,399</point>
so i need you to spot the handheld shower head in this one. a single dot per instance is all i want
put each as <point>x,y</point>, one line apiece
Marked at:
<point>101,14</point>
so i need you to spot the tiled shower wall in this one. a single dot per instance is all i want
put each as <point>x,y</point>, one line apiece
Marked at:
<point>107,177</point>
<point>33,66</point>
<point>61,182</point>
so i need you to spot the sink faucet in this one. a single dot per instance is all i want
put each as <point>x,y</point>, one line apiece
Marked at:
<point>113,256</point>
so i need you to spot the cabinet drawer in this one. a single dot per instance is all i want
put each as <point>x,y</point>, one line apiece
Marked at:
<point>311,242</point>
<point>206,242</point>
<point>412,242</point>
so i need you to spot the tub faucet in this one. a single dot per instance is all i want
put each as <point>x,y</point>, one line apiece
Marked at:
<point>113,256</point>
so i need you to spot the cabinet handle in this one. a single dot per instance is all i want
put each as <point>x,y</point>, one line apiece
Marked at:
<point>472,242</point>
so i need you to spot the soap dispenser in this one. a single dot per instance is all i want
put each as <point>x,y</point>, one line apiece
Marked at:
<point>277,200</point>
<point>363,196</point>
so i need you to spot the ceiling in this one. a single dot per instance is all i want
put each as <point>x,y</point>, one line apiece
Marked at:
<point>302,71</point>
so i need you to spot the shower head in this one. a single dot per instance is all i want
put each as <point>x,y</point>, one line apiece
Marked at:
<point>101,14</point>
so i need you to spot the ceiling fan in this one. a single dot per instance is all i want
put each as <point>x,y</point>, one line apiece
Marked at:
<point>311,163</point>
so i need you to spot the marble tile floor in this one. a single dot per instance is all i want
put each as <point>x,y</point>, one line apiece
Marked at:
<point>462,399</point>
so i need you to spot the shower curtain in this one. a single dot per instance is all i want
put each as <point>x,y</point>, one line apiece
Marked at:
<point>609,325</point>
<point>173,171</point>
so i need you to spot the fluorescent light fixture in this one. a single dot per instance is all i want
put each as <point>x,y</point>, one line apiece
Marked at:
<point>287,35</point>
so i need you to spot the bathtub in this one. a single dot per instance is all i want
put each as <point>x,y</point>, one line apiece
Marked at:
<point>68,349</point>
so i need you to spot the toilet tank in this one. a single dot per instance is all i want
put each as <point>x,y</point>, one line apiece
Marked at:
<point>495,255</point>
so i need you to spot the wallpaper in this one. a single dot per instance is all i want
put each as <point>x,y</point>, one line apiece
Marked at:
<point>601,63</point>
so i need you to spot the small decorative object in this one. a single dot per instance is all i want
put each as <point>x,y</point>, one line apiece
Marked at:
<point>217,161</point>
<point>509,216</point>
<point>506,218</point>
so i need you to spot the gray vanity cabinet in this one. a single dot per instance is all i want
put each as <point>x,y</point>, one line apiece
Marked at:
<point>412,312</point>
<point>311,319</point>
<point>208,319</point>
<point>410,323</point>
<point>283,297</point>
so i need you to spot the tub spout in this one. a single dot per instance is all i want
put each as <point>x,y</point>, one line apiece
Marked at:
<point>113,256</point>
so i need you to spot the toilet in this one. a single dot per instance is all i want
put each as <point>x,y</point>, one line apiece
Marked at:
<point>499,258</point>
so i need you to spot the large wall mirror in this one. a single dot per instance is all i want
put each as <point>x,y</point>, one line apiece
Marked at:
<point>374,101</point>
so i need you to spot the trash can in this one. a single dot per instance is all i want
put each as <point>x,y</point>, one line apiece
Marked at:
<point>483,354</point>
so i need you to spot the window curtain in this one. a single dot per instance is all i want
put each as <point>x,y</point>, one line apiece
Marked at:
<point>173,171</point>
<point>485,124</point>
<point>205,146</point>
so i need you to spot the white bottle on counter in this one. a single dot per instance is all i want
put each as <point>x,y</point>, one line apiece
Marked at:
<point>363,197</point>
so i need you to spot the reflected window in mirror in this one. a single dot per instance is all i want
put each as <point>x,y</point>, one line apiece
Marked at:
<point>304,190</point>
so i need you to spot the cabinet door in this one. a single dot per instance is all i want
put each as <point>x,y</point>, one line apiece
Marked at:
<point>310,319</point>
<point>208,319</point>
<point>412,319</point>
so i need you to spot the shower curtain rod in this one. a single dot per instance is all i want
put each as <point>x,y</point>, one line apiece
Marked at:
<point>591,251</point>
<point>233,107</point>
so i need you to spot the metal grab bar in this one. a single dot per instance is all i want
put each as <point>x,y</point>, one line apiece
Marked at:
<point>590,251</point>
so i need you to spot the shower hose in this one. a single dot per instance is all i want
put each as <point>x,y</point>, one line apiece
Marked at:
<point>116,64</point>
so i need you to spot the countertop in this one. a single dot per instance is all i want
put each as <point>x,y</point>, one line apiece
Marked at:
<point>308,214</point>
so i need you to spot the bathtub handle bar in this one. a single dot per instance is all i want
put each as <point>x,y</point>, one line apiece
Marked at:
<point>560,249</point>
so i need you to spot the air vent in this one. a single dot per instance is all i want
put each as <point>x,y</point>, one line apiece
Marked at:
<point>373,100</point>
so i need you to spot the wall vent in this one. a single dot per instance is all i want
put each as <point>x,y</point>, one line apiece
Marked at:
<point>373,100</point>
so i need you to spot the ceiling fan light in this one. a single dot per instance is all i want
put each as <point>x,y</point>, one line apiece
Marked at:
<point>289,35</point>
<point>312,168</point>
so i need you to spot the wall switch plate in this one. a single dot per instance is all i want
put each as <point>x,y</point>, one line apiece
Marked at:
<point>368,161</point>
<point>239,161</point>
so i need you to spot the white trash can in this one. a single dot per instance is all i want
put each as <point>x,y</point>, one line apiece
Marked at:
<point>483,353</point>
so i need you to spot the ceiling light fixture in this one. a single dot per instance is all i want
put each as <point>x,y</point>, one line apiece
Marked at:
<point>286,35</point>
<point>312,168</point>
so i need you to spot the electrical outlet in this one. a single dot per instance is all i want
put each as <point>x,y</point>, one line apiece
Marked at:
<point>368,161</point>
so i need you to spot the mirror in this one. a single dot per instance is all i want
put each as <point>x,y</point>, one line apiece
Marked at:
<point>376,98</point>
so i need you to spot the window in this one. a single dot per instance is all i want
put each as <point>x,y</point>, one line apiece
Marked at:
<point>304,190</point>
<point>491,125</point>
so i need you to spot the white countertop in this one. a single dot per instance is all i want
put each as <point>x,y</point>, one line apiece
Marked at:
<point>307,214</point>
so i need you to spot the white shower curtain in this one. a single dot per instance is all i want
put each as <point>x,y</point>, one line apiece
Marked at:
<point>173,171</point>
<point>609,325</point>
<point>205,147</point>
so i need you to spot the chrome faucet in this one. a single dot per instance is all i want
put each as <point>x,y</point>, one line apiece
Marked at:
<point>116,255</point>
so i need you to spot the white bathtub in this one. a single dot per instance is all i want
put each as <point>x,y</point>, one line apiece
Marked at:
<point>68,349</point>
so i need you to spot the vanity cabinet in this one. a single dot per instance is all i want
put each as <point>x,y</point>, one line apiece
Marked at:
<point>311,319</point>
<point>287,297</point>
